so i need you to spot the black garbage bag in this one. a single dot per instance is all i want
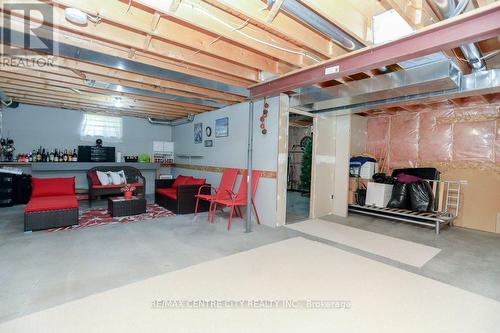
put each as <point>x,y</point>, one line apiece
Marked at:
<point>399,196</point>
<point>383,178</point>
<point>361,196</point>
<point>421,197</point>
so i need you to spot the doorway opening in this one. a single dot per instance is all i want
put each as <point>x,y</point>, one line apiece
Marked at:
<point>300,133</point>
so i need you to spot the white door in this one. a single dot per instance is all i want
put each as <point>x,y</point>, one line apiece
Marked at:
<point>323,170</point>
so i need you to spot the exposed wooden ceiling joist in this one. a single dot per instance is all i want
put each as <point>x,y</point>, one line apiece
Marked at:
<point>65,75</point>
<point>282,25</point>
<point>240,31</point>
<point>131,40</point>
<point>228,43</point>
<point>173,32</point>
<point>11,78</point>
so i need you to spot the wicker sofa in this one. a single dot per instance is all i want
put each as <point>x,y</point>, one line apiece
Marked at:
<point>52,204</point>
<point>178,195</point>
<point>133,175</point>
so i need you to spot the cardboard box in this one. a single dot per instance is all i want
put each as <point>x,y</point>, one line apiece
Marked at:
<point>368,169</point>
<point>353,183</point>
<point>351,199</point>
<point>378,194</point>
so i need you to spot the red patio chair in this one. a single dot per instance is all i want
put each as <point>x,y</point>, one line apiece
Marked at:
<point>222,192</point>
<point>235,201</point>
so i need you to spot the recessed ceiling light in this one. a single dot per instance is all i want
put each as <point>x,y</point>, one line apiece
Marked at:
<point>76,16</point>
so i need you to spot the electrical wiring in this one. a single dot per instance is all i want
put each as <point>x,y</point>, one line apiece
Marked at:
<point>238,30</point>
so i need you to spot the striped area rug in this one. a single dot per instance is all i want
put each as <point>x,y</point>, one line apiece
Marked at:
<point>100,216</point>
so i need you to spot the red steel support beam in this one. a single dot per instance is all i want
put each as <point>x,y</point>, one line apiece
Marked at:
<point>480,24</point>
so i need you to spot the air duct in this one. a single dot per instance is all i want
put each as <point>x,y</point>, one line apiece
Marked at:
<point>439,75</point>
<point>450,8</point>
<point>477,83</point>
<point>177,122</point>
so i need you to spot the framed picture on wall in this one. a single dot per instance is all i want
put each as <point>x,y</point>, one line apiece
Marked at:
<point>198,133</point>
<point>222,127</point>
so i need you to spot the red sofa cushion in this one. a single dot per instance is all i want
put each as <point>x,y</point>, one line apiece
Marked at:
<point>39,204</point>
<point>117,186</point>
<point>93,178</point>
<point>196,181</point>
<point>168,192</point>
<point>181,180</point>
<point>48,187</point>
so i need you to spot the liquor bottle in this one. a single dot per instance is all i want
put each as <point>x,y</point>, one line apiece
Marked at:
<point>65,156</point>
<point>30,158</point>
<point>39,154</point>
<point>61,156</point>
<point>51,156</point>
<point>56,156</point>
<point>74,158</point>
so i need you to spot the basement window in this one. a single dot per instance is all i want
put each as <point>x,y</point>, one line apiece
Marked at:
<point>103,127</point>
<point>389,26</point>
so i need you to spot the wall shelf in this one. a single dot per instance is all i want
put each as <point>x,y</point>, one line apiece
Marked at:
<point>189,156</point>
<point>84,166</point>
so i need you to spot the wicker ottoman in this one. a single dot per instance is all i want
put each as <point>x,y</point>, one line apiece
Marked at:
<point>34,221</point>
<point>119,206</point>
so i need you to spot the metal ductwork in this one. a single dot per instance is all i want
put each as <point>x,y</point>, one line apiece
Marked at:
<point>317,22</point>
<point>451,8</point>
<point>99,58</point>
<point>477,83</point>
<point>177,122</point>
<point>434,76</point>
<point>143,92</point>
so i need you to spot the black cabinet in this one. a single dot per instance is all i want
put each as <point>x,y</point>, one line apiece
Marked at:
<point>6,189</point>
<point>14,189</point>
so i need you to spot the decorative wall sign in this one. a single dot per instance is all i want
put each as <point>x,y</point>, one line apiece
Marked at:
<point>208,131</point>
<point>198,133</point>
<point>209,143</point>
<point>222,127</point>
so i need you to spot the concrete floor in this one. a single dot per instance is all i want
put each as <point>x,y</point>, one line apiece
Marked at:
<point>41,269</point>
<point>297,207</point>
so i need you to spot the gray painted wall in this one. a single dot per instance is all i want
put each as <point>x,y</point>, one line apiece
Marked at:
<point>32,126</point>
<point>231,151</point>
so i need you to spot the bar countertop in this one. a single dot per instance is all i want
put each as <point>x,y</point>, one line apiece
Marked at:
<point>78,166</point>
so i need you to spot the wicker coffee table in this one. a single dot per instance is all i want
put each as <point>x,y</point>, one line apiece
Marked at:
<point>119,206</point>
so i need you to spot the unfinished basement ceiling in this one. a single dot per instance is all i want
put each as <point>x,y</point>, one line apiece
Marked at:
<point>167,59</point>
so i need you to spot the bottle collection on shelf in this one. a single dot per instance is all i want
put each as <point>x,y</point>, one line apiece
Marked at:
<point>42,155</point>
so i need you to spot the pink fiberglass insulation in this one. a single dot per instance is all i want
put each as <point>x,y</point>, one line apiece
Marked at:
<point>378,135</point>
<point>403,141</point>
<point>497,143</point>
<point>442,134</point>
<point>474,141</point>
<point>436,140</point>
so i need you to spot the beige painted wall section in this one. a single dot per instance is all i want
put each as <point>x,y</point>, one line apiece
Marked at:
<point>359,134</point>
<point>323,172</point>
<point>342,157</point>
<point>480,199</point>
<point>281,181</point>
